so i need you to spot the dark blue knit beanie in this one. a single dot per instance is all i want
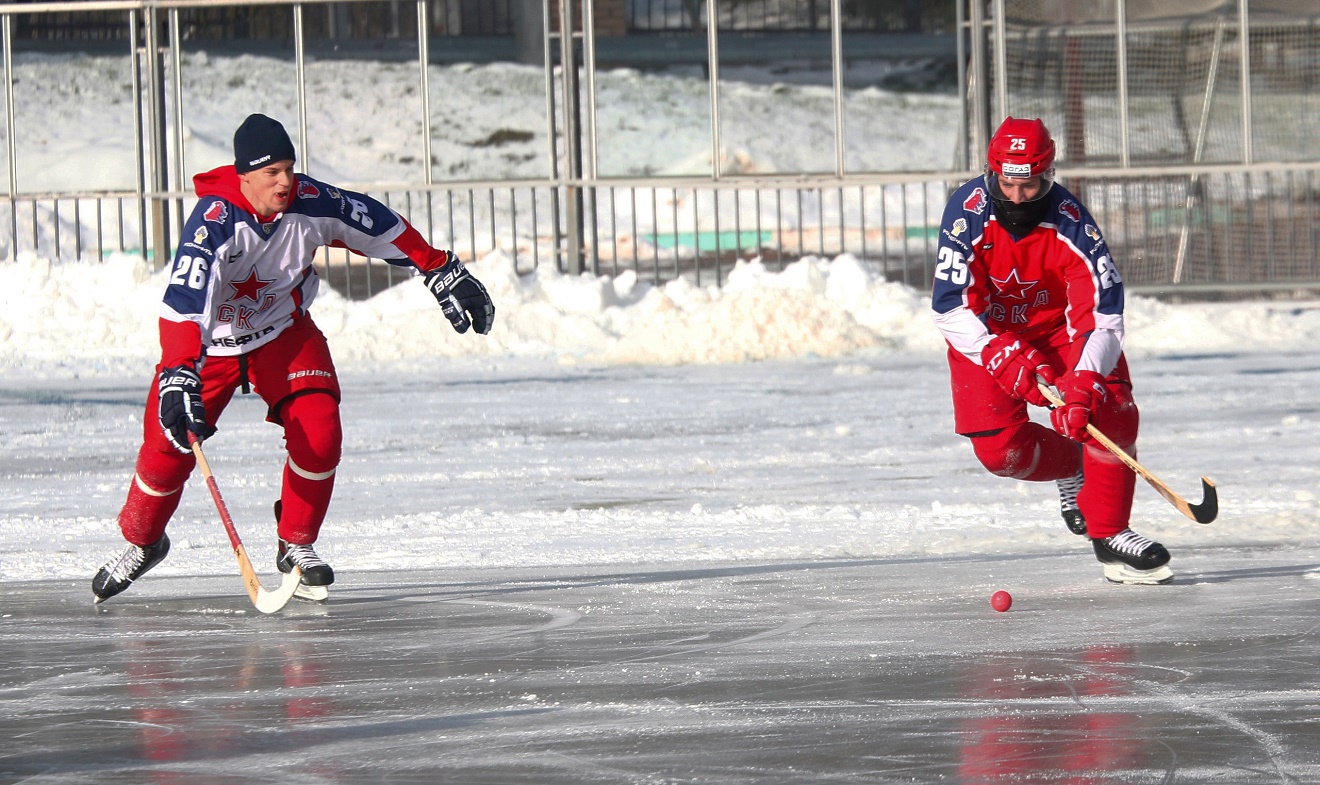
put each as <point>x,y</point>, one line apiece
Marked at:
<point>261,141</point>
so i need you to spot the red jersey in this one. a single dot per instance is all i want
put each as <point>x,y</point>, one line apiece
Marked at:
<point>1056,286</point>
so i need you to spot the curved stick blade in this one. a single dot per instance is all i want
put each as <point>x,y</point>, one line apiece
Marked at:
<point>1208,509</point>
<point>272,601</point>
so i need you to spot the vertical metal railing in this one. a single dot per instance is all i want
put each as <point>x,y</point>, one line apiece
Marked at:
<point>710,222</point>
<point>11,134</point>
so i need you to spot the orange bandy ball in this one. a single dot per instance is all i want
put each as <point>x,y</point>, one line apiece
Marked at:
<point>1001,601</point>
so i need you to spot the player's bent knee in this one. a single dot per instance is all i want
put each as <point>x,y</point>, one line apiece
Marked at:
<point>1011,452</point>
<point>313,432</point>
<point>163,471</point>
<point>1120,419</point>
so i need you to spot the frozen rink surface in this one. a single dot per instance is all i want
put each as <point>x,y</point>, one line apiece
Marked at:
<point>828,671</point>
<point>760,573</point>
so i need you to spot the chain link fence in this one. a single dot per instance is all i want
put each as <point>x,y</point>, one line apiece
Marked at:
<point>1181,90</point>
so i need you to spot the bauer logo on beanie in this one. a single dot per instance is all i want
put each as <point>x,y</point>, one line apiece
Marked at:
<point>260,141</point>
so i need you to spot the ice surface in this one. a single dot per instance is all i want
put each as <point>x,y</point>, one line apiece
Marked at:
<point>824,670</point>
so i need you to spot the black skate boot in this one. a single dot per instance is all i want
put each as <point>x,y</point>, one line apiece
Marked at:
<point>120,572</point>
<point>315,572</point>
<point>1130,558</point>
<point>1068,490</point>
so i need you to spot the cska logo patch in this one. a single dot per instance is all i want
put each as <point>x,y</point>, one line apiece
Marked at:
<point>959,226</point>
<point>307,191</point>
<point>976,202</point>
<point>216,213</point>
<point>1070,209</point>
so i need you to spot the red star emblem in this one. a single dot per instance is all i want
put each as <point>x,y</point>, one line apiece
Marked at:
<point>1012,287</point>
<point>249,288</point>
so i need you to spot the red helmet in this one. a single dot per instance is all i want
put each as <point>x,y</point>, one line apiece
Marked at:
<point>1021,149</point>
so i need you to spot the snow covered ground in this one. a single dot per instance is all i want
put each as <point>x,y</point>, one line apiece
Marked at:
<point>76,113</point>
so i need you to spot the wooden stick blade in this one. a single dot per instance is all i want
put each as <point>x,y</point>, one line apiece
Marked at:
<point>1204,512</point>
<point>266,601</point>
<point>272,601</point>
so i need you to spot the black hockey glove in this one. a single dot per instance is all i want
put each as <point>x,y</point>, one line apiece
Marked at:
<point>462,297</point>
<point>181,407</point>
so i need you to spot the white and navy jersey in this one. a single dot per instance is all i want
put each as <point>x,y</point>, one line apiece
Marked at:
<point>1057,286</point>
<point>242,280</point>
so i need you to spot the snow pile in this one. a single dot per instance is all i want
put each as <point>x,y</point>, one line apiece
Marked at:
<point>85,319</point>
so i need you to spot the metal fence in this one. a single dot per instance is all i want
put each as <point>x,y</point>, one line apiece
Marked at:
<point>1230,225</point>
<point>774,16</point>
<point>376,19</point>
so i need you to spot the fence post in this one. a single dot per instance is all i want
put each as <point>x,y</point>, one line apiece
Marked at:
<point>551,131</point>
<point>160,227</point>
<point>589,125</point>
<point>300,68</point>
<point>10,125</point>
<point>1001,61</point>
<point>572,139</point>
<point>1125,142</point>
<point>1244,41</point>
<point>980,80</point>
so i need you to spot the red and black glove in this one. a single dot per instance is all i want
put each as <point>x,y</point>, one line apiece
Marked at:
<point>1083,392</point>
<point>1015,364</point>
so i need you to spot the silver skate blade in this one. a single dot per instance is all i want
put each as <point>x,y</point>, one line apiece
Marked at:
<point>312,593</point>
<point>1122,573</point>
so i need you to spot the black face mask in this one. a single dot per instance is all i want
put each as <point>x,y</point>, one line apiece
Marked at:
<point>1020,219</point>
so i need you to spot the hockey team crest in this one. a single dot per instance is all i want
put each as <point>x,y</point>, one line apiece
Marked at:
<point>216,213</point>
<point>1070,209</point>
<point>975,203</point>
<point>307,191</point>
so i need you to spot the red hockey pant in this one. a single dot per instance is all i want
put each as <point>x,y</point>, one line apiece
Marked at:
<point>1008,444</point>
<point>296,378</point>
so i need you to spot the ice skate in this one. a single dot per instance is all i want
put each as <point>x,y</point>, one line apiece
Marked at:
<point>120,572</point>
<point>1069,487</point>
<point>1130,558</point>
<point>316,574</point>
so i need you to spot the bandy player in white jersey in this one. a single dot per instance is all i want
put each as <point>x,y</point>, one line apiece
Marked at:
<point>235,315</point>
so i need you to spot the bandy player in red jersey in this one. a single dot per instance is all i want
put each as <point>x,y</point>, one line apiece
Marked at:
<point>236,315</point>
<point>1024,288</point>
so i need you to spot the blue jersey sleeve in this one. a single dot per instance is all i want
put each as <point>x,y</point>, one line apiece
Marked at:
<point>1076,225</point>
<point>206,236</point>
<point>963,223</point>
<point>357,211</point>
